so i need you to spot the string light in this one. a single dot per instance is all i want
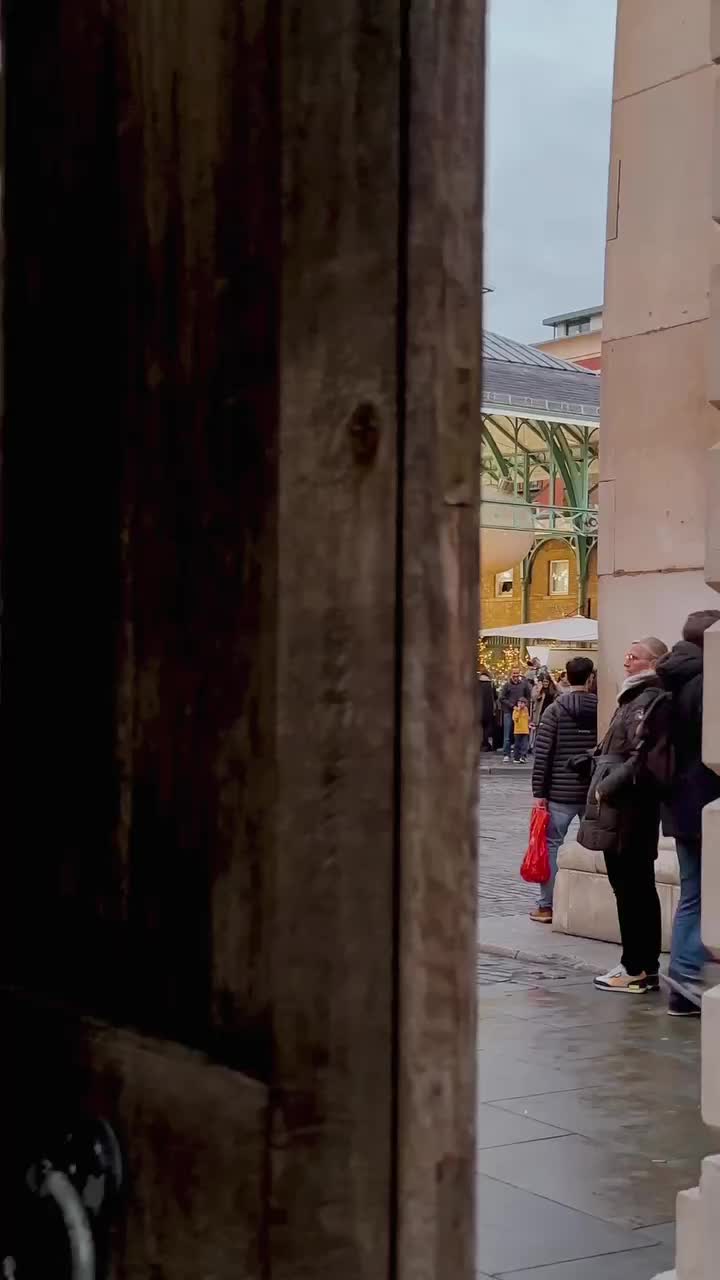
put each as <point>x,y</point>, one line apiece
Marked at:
<point>500,662</point>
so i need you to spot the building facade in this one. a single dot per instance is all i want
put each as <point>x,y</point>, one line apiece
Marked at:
<point>577,338</point>
<point>659,552</point>
<point>540,441</point>
<point>551,591</point>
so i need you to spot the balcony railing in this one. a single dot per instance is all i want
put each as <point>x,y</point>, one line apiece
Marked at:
<point>582,521</point>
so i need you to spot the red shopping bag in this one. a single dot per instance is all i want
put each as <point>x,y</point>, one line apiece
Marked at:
<point>536,863</point>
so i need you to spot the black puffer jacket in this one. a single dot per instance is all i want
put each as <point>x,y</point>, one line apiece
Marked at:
<point>633,767</point>
<point>694,786</point>
<point>568,728</point>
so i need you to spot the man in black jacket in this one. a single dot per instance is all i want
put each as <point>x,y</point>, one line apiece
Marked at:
<point>694,786</point>
<point>511,693</point>
<point>568,729</point>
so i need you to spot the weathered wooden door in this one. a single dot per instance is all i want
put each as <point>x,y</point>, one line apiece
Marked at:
<point>239,573</point>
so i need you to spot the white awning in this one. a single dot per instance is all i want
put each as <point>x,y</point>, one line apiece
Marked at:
<point>579,630</point>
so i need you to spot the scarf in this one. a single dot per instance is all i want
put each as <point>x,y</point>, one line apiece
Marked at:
<point>632,682</point>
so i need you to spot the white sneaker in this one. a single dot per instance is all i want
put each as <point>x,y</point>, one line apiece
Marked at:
<point>618,979</point>
<point>506,759</point>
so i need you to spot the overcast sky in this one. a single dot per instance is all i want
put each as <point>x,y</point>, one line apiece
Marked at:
<point>550,83</point>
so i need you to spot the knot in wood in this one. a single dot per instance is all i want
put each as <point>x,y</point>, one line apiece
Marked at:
<point>364,430</point>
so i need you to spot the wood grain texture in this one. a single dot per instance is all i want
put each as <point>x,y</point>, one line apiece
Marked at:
<point>440,610</point>
<point>333,947</point>
<point>139,485</point>
<point>239,549</point>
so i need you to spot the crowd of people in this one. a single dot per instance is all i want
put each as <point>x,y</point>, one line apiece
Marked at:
<point>513,708</point>
<point>644,776</point>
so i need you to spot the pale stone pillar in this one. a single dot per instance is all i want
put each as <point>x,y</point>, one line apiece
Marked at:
<point>660,492</point>
<point>656,423</point>
<point>698,1210</point>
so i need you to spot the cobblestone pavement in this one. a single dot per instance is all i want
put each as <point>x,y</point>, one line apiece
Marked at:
<point>504,816</point>
<point>504,813</point>
<point>493,970</point>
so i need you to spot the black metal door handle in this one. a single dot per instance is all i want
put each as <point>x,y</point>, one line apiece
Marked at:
<point>66,1207</point>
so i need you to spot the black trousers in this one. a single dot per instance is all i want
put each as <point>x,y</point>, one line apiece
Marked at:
<point>632,877</point>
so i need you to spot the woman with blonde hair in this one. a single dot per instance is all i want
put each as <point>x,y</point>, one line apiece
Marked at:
<point>633,765</point>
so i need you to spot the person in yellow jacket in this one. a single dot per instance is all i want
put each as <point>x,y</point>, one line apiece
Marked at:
<point>521,725</point>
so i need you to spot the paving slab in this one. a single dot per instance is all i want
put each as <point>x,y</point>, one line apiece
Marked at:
<point>620,1187</point>
<point>569,1006</point>
<point>500,1078</point>
<point>661,1037</point>
<point>639,1264</point>
<point>663,1233</point>
<point>517,1229</point>
<point>497,1128</point>
<point>626,1119</point>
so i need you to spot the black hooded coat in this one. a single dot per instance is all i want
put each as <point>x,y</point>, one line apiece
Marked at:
<point>693,785</point>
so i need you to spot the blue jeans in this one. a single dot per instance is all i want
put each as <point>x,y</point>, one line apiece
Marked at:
<point>507,732</point>
<point>561,815</point>
<point>522,742</point>
<point>688,956</point>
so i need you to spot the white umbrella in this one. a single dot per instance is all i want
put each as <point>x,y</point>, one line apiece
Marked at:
<point>578,630</point>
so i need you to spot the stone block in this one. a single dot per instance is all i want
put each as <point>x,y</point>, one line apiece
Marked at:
<point>712,329</point>
<point>657,266</point>
<point>561,902</point>
<point>689,1255</point>
<point>606,544</point>
<point>651,383</point>
<point>715,30</point>
<point>711,1061</point>
<point>715,194</point>
<point>711,875</point>
<point>575,857</point>
<point>710,1212</point>
<point>712,474</point>
<point>658,40</point>
<point>584,906</point>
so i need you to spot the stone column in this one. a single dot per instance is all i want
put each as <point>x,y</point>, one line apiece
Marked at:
<point>698,1210</point>
<point>656,423</point>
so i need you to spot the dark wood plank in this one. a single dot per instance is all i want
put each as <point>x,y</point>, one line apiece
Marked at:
<point>333,946</point>
<point>139,481</point>
<point>440,609</point>
<point>240,571</point>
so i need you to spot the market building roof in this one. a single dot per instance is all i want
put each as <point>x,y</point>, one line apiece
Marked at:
<point>520,381</point>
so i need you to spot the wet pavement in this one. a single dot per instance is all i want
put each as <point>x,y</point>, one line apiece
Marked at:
<point>589,1124</point>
